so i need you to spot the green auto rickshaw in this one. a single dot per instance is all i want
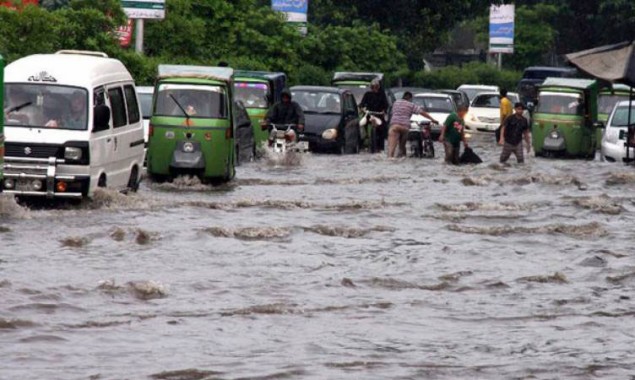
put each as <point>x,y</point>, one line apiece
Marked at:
<point>1,122</point>
<point>565,118</point>
<point>191,130</point>
<point>258,91</point>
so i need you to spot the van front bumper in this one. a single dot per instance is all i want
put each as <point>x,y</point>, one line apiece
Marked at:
<point>38,177</point>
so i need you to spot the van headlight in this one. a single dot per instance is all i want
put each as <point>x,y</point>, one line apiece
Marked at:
<point>329,134</point>
<point>72,153</point>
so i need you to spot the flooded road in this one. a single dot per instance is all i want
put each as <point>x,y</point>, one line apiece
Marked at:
<point>351,267</point>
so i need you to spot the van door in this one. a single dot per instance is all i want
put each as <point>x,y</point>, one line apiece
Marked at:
<point>121,164</point>
<point>101,144</point>
<point>130,137</point>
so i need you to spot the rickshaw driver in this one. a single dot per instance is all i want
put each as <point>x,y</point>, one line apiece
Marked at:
<point>286,112</point>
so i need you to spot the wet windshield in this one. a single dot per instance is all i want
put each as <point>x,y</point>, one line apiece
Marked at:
<point>606,102</point>
<point>200,101</point>
<point>45,106</point>
<point>358,91</point>
<point>145,100</point>
<point>487,101</point>
<point>559,103</point>
<point>253,95</point>
<point>434,104</point>
<point>621,116</point>
<point>471,92</point>
<point>318,102</point>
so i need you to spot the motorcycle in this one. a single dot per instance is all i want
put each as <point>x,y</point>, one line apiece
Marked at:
<point>283,138</point>
<point>368,125</point>
<point>420,139</point>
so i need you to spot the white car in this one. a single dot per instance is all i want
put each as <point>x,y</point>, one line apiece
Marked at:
<point>471,90</point>
<point>439,106</point>
<point>614,137</point>
<point>73,124</point>
<point>484,112</point>
<point>145,94</point>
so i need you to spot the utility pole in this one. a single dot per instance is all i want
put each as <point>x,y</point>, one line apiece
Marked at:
<point>139,36</point>
<point>500,61</point>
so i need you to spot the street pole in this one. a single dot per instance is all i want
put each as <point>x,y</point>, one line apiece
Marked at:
<point>139,36</point>
<point>500,61</point>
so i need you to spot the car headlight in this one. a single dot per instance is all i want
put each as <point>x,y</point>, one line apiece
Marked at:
<point>329,134</point>
<point>473,118</point>
<point>188,147</point>
<point>72,153</point>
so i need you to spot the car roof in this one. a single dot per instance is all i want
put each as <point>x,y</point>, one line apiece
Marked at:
<point>476,86</point>
<point>351,76</point>
<point>259,74</point>
<point>335,90</point>
<point>432,95</point>
<point>70,69</point>
<point>568,82</point>
<point>145,89</point>
<point>549,68</point>
<point>625,103</point>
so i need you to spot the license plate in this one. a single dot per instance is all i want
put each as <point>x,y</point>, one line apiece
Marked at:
<point>22,185</point>
<point>302,145</point>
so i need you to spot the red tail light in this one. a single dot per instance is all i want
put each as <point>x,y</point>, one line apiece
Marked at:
<point>150,130</point>
<point>228,133</point>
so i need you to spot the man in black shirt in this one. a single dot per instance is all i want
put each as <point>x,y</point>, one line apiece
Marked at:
<point>513,130</point>
<point>286,112</point>
<point>376,100</point>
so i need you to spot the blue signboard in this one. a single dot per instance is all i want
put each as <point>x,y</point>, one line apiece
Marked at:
<point>290,6</point>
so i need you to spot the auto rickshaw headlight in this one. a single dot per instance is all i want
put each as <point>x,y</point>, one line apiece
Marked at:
<point>188,147</point>
<point>554,135</point>
<point>9,183</point>
<point>329,134</point>
<point>72,153</point>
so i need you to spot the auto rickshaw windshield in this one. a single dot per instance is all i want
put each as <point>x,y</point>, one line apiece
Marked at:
<point>253,95</point>
<point>560,103</point>
<point>199,101</point>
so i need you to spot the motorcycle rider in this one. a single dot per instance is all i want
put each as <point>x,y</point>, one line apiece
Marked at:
<point>376,100</point>
<point>286,112</point>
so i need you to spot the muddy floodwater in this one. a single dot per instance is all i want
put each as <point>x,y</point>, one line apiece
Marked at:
<point>337,267</point>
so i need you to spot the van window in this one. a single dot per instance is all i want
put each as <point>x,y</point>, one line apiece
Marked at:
<point>133,105</point>
<point>45,106</point>
<point>118,107</point>
<point>99,95</point>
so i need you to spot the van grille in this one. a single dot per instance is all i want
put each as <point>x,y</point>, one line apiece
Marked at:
<point>33,150</point>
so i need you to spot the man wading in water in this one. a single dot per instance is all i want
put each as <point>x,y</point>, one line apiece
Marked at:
<point>452,133</point>
<point>514,129</point>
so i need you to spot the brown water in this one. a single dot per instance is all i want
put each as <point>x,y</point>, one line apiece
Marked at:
<point>352,267</point>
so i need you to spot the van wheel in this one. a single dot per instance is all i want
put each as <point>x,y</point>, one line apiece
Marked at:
<point>133,182</point>
<point>102,181</point>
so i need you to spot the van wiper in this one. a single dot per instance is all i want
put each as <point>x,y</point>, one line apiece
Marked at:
<point>187,115</point>
<point>17,108</point>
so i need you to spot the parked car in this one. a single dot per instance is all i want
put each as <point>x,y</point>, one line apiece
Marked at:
<point>460,97</point>
<point>439,106</point>
<point>471,90</point>
<point>484,112</point>
<point>331,118</point>
<point>71,128</point>
<point>613,148</point>
<point>145,94</point>
<point>534,76</point>
<point>399,91</point>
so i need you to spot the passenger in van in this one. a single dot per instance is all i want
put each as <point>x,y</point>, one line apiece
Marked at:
<point>75,118</point>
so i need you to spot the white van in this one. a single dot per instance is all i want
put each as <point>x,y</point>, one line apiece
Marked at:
<point>72,124</point>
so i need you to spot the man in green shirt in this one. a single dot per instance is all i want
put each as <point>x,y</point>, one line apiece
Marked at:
<point>452,133</point>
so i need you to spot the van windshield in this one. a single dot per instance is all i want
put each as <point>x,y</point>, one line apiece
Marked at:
<point>559,103</point>
<point>253,95</point>
<point>199,101</point>
<point>45,106</point>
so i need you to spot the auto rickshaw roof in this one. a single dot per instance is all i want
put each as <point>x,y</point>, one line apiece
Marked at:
<point>272,76</point>
<point>575,83</point>
<point>223,74</point>
<point>351,76</point>
<point>335,90</point>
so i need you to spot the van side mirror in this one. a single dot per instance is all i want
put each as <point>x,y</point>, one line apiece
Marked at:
<point>101,118</point>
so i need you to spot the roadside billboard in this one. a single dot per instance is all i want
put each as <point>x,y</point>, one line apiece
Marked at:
<point>295,10</point>
<point>144,9</point>
<point>124,34</point>
<point>501,28</point>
